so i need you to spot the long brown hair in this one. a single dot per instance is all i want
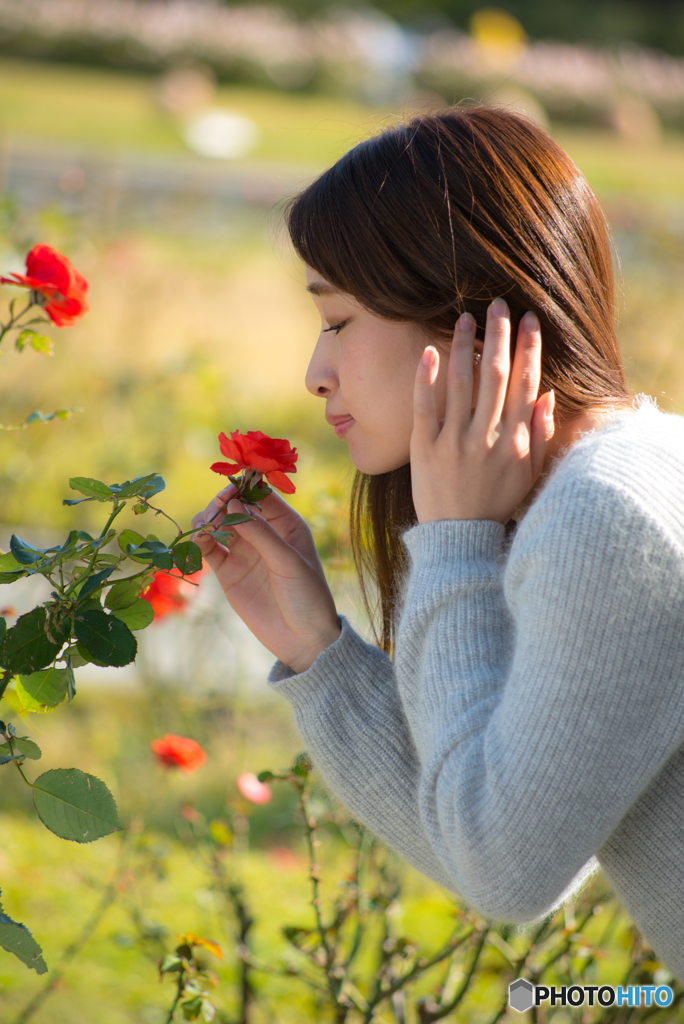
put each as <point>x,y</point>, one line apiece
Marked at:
<point>438,216</point>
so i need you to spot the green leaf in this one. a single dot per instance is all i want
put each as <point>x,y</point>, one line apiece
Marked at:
<point>3,626</point>
<point>90,487</point>
<point>71,679</point>
<point>154,551</point>
<point>86,657</point>
<point>128,538</point>
<point>234,518</point>
<point>10,577</point>
<point>41,343</point>
<point>169,963</point>
<point>137,616</point>
<point>93,582</point>
<point>192,1008</point>
<point>154,546</point>
<point>187,557</point>
<point>24,746</point>
<point>46,417</point>
<point>256,493</point>
<point>303,765</point>
<point>142,486</point>
<point>106,637</point>
<point>124,594</point>
<point>42,689</point>
<point>26,647</point>
<point>24,552</point>
<point>6,758</point>
<point>74,805</point>
<point>8,563</point>
<point>38,342</point>
<point>16,938</point>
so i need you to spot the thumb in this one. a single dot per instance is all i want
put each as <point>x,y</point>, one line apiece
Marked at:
<point>542,430</point>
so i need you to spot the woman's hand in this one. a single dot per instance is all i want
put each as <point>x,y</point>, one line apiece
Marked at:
<point>481,462</point>
<point>273,578</point>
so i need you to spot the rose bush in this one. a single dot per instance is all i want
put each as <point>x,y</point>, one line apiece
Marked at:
<point>178,752</point>
<point>62,288</point>
<point>273,457</point>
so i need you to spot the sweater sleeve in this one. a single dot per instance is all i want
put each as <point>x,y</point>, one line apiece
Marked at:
<point>348,711</point>
<point>543,701</point>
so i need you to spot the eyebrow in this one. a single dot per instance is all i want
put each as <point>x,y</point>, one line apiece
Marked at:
<point>322,288</point>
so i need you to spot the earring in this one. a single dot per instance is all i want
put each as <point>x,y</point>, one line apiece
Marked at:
<point>477,358</point>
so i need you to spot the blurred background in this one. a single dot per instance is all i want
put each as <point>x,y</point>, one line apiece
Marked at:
<point>154,142</point>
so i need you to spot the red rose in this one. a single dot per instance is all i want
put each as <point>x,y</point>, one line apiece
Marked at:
<point>51,274</point>
<point>178,752</point>
<point>164,594</point>
<point>271,456</point>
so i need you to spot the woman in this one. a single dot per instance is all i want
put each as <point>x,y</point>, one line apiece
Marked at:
<point>523,713</point>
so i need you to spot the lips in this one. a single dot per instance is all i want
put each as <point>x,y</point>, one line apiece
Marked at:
<point>341,424</point>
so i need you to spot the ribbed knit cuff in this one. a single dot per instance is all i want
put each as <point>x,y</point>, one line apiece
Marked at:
<point>454,540</point>
<point>339,661</point>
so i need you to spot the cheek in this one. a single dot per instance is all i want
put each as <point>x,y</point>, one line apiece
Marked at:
<point>378,383</point>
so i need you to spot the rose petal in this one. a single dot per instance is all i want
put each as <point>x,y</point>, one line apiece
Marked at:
<point>280,482</point>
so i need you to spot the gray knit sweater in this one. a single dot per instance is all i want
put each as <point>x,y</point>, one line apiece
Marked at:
<point>533,717</point>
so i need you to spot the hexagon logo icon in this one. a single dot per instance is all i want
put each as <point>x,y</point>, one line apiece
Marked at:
<point>521,995</point>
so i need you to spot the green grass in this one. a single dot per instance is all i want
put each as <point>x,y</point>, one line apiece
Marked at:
<point>164,885</point>
<point>105,110</point>
<point>108,110</point>
<point>617,169</point>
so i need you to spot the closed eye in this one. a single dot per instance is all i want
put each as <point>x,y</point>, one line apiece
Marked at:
<point>335,327</point>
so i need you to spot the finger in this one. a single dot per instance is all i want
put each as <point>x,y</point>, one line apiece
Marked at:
<point>460,375</point>
<point>425,426</point>
<point>207,514</point>
<point>279,556</point>
<point>273,506</point>
<point>213,553</point>
<point>494,368</point>
<point>525,373</point>
<point>542,429</point>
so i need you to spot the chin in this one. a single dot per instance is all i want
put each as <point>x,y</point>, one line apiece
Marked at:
<point>372,465</point>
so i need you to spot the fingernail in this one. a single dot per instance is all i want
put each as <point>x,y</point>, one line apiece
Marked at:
<point>530,322</point>
<point>499,309</point>
<point>429,356</point>
<point>551,405</point>
<point>466,323</point>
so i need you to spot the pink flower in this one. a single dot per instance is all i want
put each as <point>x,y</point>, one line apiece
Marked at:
<point>253,790</point>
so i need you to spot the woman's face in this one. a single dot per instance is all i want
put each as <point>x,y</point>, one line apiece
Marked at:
<point>364,367</point>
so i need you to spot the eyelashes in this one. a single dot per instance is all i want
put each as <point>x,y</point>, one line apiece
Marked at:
<point>335,327</point>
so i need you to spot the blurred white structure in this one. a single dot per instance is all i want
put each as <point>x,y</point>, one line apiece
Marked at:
<point>221,134</point>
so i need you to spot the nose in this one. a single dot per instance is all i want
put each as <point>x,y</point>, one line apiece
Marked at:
<point>321,375</point>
